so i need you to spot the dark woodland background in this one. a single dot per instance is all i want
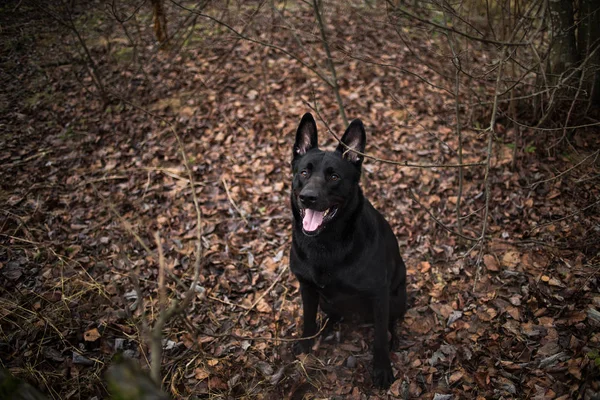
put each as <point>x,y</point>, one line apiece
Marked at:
<point>144,185</point>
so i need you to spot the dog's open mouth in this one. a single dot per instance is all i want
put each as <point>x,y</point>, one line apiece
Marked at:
<point>313,221</point>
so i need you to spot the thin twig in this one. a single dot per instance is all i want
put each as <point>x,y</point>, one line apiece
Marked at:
<point>490,41</point>
<point>486,178</point>
<point>260,42</point>
<point>457,65</point>
<point>235,206</point>
<point>535,184</point>
<point>433,135</point>
<point>260,338</point>
<point>412,196</point>
<point>296,38</point>
<point>334,80</point>
<point>156,335</point>
<point>565,217</point>
<point>267,290</point>
<point>175,307</point>
<point>383,160</point>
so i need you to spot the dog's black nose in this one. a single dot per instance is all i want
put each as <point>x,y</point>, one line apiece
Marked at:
<point>308,199</point>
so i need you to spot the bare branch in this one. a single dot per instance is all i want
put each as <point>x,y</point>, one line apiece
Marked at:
<point>334,80</point>
<point>457,64</point>
<point>260,42</point>
<point>383,160</point>
<point>235,206</point>
<point>440,223</point>
<point>565,217</point>
<point>594,154</point>
<point>445,28</point>
<point>486,178</point>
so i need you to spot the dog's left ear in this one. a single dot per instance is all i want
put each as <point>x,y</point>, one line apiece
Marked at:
<point>354,138</point>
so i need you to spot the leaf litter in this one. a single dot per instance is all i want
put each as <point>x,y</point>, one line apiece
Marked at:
<point>530,327</point>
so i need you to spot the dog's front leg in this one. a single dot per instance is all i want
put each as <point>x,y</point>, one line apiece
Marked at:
<point>383,376</point>
<point>310,302</point>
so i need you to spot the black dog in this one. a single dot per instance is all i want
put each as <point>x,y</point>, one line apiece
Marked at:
<point>344,253</point>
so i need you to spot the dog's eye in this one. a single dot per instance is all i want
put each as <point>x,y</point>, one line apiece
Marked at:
<point>334,177</point>
<point>304,173</point>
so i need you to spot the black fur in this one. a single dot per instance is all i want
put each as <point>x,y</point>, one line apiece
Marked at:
<point>350,265</point>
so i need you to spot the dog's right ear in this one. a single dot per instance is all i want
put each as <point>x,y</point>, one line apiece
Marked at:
<point>306,136</point>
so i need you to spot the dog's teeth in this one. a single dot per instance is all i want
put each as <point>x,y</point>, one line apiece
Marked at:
<point>326,212</point>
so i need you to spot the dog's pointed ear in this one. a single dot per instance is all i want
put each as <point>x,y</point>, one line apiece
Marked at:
<point>354,138</point>
<point>306,136</point>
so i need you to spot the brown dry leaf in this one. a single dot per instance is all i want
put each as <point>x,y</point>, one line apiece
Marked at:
<point>216,383</point>
<point>455,377</point>
<point>110,165</point>
<point>515,300</point>
<point>201,374</point>
<point>422,326</point>
<point>514,312</point>
<point>263,306</point>
<point>424,266</point>
<point>433,199</point>
<point>415,390</point>
<point>187,340</point>
<point>187,111</point>
<point>437,290</point>
<point>395,388</point>
<point>247,302</point>
<point>511,259</point>
<point>529,203</point>
<point>555,282</point>
<point>487,314</point>
<point>533,330</point>
<point>269,265</point>
<point>574,367</point>
<point>491,263</point>
<point>575,317</point>
<point>92,335</point>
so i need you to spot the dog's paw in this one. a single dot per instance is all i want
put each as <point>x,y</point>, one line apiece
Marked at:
<point>383,377</point>
<point>302,346</point>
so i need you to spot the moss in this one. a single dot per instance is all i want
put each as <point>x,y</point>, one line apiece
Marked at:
<point>123,55</point>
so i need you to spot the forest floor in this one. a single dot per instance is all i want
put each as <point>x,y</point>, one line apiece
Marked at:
<point>517,318</point>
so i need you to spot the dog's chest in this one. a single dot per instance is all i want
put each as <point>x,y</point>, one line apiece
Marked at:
<point>329,283</point>
<point>320,276</point>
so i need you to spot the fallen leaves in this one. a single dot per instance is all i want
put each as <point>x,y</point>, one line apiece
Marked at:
<point>511,259</point>
<point>491,263</point>
<point>527,328</point>
<point>92,335</point>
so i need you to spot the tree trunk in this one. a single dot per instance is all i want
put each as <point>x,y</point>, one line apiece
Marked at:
<point>563,53</point>
<point>588,38</point>
<point>160,21</point>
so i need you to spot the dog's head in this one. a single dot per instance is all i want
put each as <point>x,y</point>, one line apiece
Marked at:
<point>324,181</point>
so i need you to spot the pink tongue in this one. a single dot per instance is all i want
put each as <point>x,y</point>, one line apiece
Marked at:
<point>312,220</point>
